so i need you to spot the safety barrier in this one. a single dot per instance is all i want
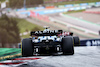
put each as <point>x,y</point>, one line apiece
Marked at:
<point>49,7</point>
<point>66,8</point>
<point>53,11</point>
<point>90,42</point>
<point>30,9</point>
<point>39,7</point>
<point>96,4</point>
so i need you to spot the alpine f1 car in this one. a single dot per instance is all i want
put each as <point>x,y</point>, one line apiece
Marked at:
<point>48,42</point>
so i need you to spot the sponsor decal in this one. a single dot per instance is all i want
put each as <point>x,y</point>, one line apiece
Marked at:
<point>88,43</point>
<point>96,43</point>
<point>46,31</point>
<point>93,43</point>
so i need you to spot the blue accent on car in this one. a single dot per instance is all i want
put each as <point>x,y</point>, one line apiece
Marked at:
<point>33,37</point>
<point>43,36</point>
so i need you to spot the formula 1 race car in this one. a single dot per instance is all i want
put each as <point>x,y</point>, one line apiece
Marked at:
<point>48,42</point>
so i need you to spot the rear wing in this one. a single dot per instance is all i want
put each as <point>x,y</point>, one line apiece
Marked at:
<point>46,33</point>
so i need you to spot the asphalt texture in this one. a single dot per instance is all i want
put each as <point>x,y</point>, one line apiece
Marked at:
<point>83,57</point>
<point>76,22</point>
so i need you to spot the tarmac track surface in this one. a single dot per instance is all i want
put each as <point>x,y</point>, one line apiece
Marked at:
<point>83,57</point>
<point>76,22</point>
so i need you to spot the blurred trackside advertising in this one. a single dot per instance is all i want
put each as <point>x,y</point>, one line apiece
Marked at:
<point>96,4</point>
<point>40,17</point>
<point>68,7</point>
<point>90,42</point>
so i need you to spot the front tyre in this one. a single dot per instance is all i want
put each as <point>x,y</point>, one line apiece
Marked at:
<point>27,47</point>
<point>68,45</point>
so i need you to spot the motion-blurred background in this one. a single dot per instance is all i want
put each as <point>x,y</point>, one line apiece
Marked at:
<point>19,17</point>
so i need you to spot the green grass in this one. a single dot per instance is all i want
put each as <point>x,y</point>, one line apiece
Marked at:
<point>8,50</point>
<point>73,2</point>
<point>25,36</point>
<point>24,25</point>
<point>2,0</point>
<point>9,53</point>
<point>74,11</point>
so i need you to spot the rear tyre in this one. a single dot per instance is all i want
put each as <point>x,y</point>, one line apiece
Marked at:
<point>27,47</point>
<point>76,41</point>
<point>67,45</point>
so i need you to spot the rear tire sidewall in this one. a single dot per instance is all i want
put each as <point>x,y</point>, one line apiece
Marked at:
<point>76,41</point>
<point>27,47</point>
<point>68,45</point>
